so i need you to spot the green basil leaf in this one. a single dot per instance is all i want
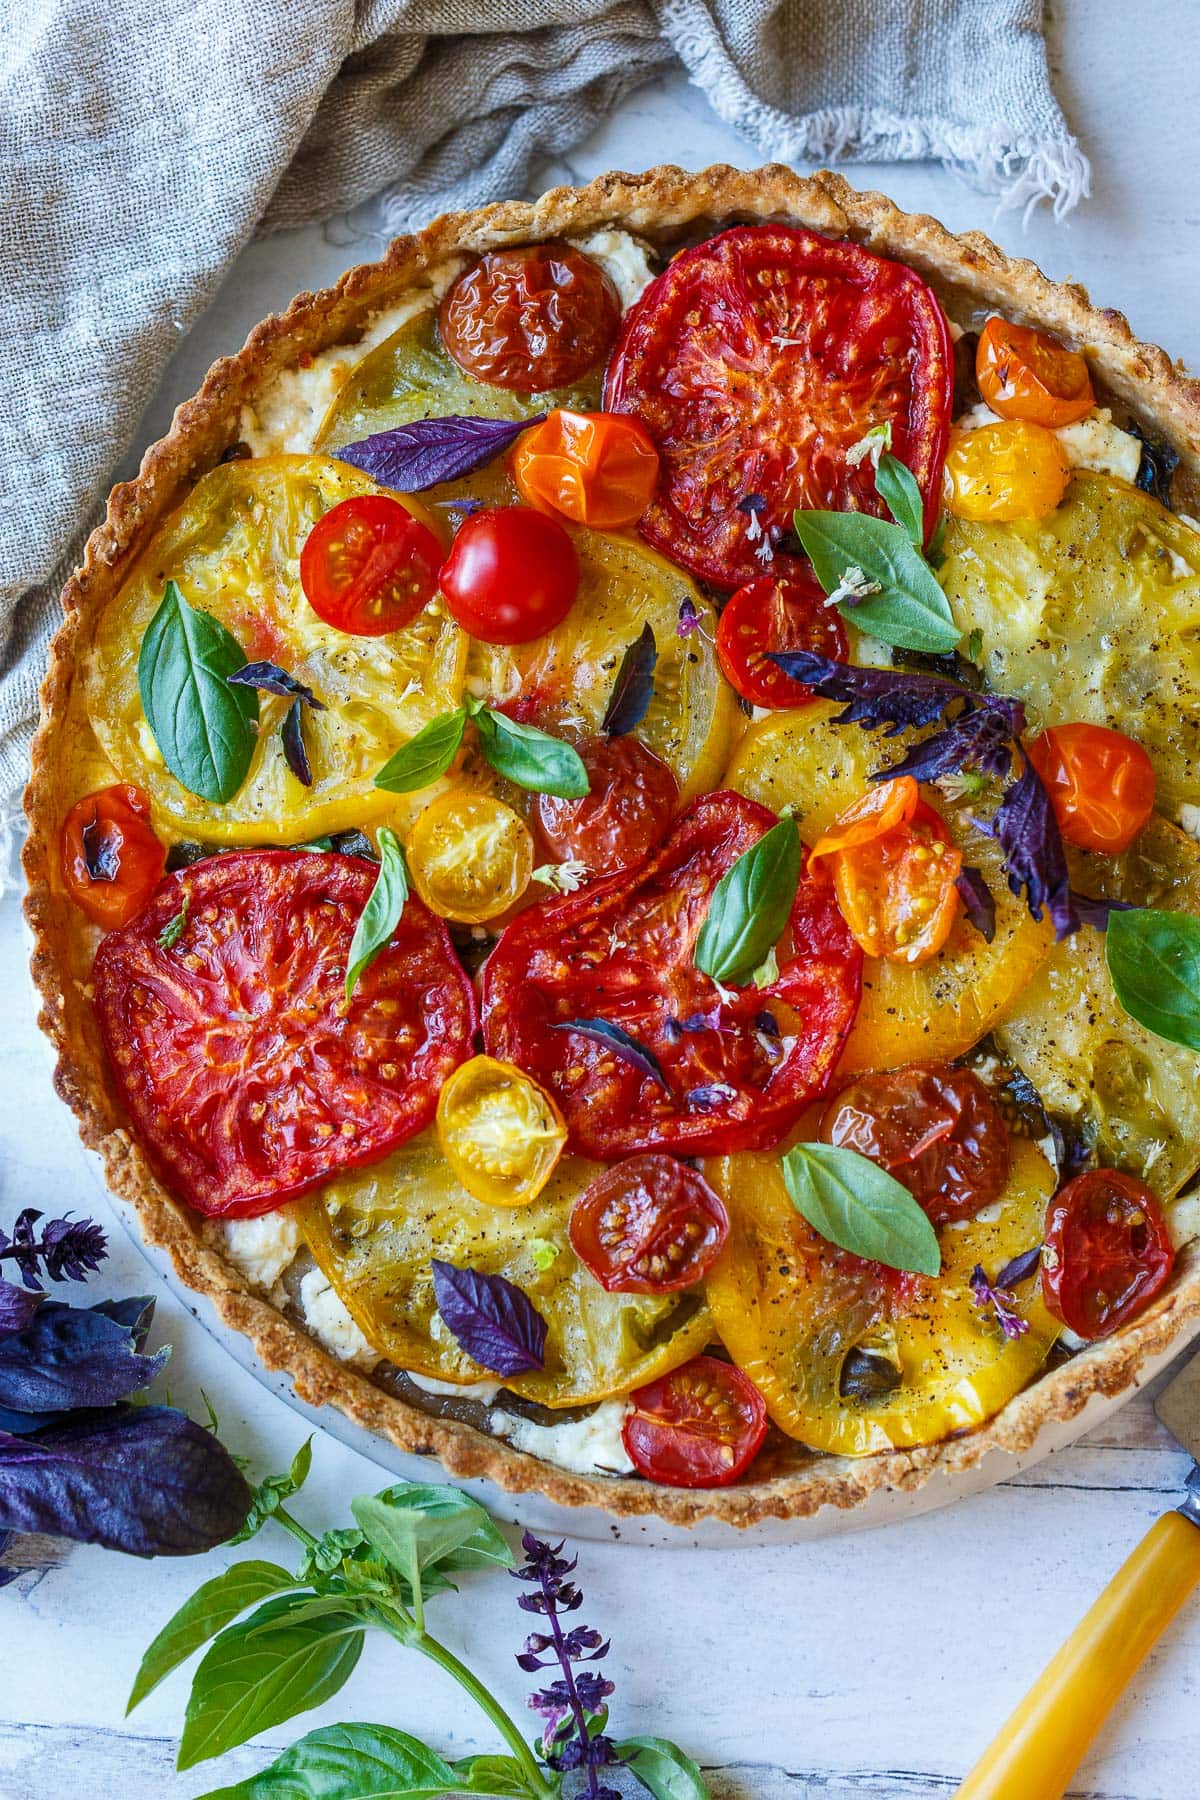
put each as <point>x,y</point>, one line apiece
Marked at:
<point>483,1547</point>
<point>272,1491</point>
<point>491,1775</point>
<point>664,1768</point>
<point>425,756</point>
<point>531,758</point>
<point>349,1762</point>
<point>381,915</point>
<point>909,610</point>
<point>860,1207</point>
<point>213,1606</point>
<point>275,1664</point>
<point>897,487</point>
<point>205,728</point>
<point>750,906</point>
<point>1154,962</point>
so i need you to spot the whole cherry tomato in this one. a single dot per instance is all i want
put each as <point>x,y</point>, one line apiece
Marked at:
<point>1101,784</point>
<point>1107,1252</point>
<point>649,1225</point>
<point>368,567</point>
<point>699,1426</point>
<point>998,473</point>
<point>597,469</point>
<point>111,860</point>
<point>1025,374</point>
<point>934,1127</point>
<point>894,872</point>
<point>531,318</point>
<point>776,613</point>
<point>624,814</point>
<point>511,575</point>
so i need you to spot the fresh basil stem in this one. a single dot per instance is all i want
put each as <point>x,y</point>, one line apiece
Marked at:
<point>860,1207</point>
<point>205,727</point>
<point>882,583</point>
<point>897,487</point>
<point>750,907</point>
<point>1154,963</point>
<point>381,915</point>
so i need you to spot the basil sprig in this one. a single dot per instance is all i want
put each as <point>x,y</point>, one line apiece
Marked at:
<point>205,728</point>
<point>381,915</point>
<point>530,758</point>
<point>750,906</point>
<point>1154,964</point>
<point>860,1207</point>
<point>905,606</point>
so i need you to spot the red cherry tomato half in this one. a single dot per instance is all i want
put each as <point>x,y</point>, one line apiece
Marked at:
<point>700,1426</point>
<point>512,575</point>
<point>111,860</point>
<point>622,817</point>
<point>1107,1252</point>
<point>776,614</point>
<point>1101,784</point>
<point>368,567</point>
<point>529,319</point>
<point>648,1226</point>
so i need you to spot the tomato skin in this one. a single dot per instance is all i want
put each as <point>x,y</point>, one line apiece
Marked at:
<point>934,1127</point>
<point>117,823</point>
<point>511,575</point>
<point>622,817</point>
<point>501,1133</point>
<point>894,872</point>
<point>1101,784</point>
<point>597,469</point>
<point>649,1225</point>
<point>470,856</point>
<point>1107,1252</point>
<point>368,567</point>
<point>776,614</point>
<point>999,473</point>
<point>1026,374</point>
<point>756,360</point>
<point>247,1075</point>
<point>700,1426</point>
<point>531,318</point>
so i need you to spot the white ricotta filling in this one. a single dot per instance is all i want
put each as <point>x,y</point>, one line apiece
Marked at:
<point>590,1446</point>
<point>1092,443</point>
<point>331,1324</point>
<point>485,1391</point>
<point>624,259</point>
<point>263,1248</point>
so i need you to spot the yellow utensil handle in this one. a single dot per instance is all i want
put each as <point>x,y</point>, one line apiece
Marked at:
<point>1044,1742</point>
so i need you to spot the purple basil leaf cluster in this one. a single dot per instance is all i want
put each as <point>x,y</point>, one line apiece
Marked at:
<point>490,1318</point>
<point>69,1357</point>
<point>62,1250</point>
<point>570,1703</point>
<point>618,1040</point>
<point>427,452</point>
<point>979,739</point>
<point>874,698</point>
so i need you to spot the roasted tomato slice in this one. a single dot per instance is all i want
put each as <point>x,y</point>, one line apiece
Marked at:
<point>621,818</point>
<point>756,361</point>
<point>776,614</point>
<point>648,1226</point>
<point>1025,374</point>
<point>112,861</point>
<point>1101,784</point>
<point>729,1068</point>
<point>530,318</point>
<point>368,567</point>
<point>246,1074</point>
<point>699,1426</point>
<point>1107,1252</point>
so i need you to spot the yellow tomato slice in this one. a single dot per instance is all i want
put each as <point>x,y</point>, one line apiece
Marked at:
<point>790,1313</point>
<point>470,856</point>
<point>501,1133</point>
<point>234,549</point>
<point>374,1232</point>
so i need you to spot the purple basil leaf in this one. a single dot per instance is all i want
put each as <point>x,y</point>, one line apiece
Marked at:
<point>273,680</point>
<point>712,1094</point>
<point>873,697</point>
<point>1095,912</point>
<point>978,740</point>
<point>136,1315</point>
<point>1020,1268</point>
<point>613,1038</point>
<point>978,902</point>
<point>17,1307</point>
<point>295,752</point>
<point>20,1424</point>
<point>144,1479</point>
<point>24,1246</point>
<point>633,689</point>
<point>490,1318</point>
<point>1033,851</point>
<point>70,1357</point>
<point>101,849</point>
<point>429,451</point>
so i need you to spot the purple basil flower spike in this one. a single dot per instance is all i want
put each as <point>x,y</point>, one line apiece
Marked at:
<point>1000,1300</point>
<point>565,1705</point>
<point>66,1249</point>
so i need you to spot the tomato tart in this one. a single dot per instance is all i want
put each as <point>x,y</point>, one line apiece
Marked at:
<point>615,846</point>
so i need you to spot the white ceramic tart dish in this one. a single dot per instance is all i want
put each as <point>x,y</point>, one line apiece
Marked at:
<point>333,1191</point>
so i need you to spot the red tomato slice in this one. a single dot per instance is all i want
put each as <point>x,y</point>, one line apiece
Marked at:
<point>511,575</point>
<point>738,1066</point>
<point>368,567</point>
<point>112,861</point>
<point>648,1226</point>
<point>776,614</point>
<point>621,818</point>
<point>247,1076</point>
<point>699,1426</point>
<point>1107,1252</point>
<point>756,360</point>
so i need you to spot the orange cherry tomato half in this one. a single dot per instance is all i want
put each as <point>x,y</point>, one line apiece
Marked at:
<point>1101,784</point>
<point>368,567</point>
<point>597,469</point>
<point>649,1225</point>
<point>624,815</point>
<point>699,1426</point>
<point>894,873</point>
<point>1024,374</point>
<point>511,575</point>
<point>999,473</point>
<point>531,318</point>
<point>1107,1252</point>
<point>773,614</point>
<point>112,861</point>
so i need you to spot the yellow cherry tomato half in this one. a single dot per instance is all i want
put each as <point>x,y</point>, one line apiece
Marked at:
<point>500,1132</point>
<point>469,856</point>
<point>1011,470</point>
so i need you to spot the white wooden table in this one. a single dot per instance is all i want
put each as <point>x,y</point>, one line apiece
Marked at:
<point>874,1665</point>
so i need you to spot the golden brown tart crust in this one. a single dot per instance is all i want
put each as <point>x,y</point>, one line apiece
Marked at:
<point>664,204</point>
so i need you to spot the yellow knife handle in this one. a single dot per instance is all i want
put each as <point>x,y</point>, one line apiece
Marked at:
<point>1047,1737</point>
